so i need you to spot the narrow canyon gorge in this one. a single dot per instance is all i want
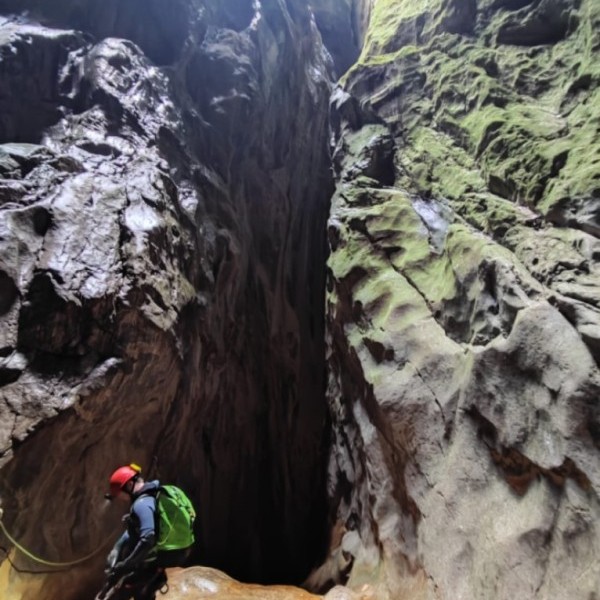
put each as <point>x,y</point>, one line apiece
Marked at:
<point>330,266</point>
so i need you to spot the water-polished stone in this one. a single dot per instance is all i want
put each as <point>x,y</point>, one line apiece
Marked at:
<point>200,583</point>
<point>204,583</point>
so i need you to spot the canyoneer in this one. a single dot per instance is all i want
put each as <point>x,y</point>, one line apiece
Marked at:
<point>159,534</point>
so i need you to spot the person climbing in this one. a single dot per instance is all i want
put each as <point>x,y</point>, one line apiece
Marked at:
<point>158,535</point>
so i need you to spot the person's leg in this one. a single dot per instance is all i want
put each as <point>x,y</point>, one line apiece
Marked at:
<point>153,578</point>
<point>160,581</point>
<point>145,594</point>
<point>137,583</point>
<point>173,558</point>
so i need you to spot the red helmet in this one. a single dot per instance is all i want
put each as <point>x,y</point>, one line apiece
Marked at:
<point>120,477</point>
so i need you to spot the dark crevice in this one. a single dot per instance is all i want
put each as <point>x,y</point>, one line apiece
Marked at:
<point>548,23</point>
<point>8,292</point>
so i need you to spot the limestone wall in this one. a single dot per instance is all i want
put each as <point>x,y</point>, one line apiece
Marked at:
<point>463,302</point>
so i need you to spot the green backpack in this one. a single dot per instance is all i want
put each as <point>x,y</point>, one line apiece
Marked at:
<point>175,519</point>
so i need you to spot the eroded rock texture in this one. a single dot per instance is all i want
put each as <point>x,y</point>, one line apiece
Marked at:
<point>463,302</point>
<point>164,193</point>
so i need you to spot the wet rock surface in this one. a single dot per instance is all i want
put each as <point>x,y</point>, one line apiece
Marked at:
<point>162,207</point>
<point>462,303</point>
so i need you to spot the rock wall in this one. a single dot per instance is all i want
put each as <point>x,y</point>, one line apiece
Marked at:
<point>342,25</point>
<point>463,303</point>
<point>164,188</point>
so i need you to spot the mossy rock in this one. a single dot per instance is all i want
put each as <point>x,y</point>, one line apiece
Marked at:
<point>517,121</point>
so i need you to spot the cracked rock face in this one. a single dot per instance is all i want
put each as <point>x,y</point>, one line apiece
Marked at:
<point>463,303</point>
<point>162,207</point>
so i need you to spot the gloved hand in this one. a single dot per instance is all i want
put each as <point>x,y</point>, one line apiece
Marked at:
<point>119,569</point>
<point>112,558</point>
<point>126,520</point>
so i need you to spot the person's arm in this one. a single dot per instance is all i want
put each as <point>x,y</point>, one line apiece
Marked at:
<point>114,554</point>
<point>144,508</point>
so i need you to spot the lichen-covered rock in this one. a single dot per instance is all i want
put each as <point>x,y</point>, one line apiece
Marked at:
<point>162,207</point>
<point>463,303</point>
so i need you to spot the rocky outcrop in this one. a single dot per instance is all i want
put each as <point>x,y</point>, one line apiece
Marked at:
<point>198,583</point>
<point>463,303</point>
<point>202,583</point>
<point>163,207</point>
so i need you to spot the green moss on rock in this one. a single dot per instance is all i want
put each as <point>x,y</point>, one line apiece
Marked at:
<point>516,121</point>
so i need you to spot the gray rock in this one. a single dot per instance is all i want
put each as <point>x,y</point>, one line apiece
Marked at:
<point>158,296</point>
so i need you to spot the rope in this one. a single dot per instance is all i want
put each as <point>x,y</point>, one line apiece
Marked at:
<point>27,571</point>
<point>49,563</point>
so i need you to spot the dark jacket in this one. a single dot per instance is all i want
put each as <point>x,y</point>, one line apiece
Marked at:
<point>139,540</point>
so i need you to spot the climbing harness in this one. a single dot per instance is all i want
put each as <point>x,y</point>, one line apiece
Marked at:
<point>48,563</point>
<point>113,588</point>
